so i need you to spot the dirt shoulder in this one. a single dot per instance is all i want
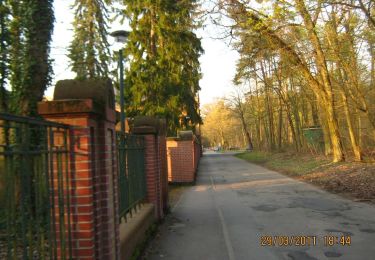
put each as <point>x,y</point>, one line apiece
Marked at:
<point>175,192</point>
<point>350,179</point>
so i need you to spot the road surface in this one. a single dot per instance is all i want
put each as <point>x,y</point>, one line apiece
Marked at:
<point>236,206</point>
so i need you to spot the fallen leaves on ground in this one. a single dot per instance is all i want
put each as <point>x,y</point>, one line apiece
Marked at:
<point>355,180</point>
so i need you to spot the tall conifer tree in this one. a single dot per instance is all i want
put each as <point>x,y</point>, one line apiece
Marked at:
<point>89,52</point>
<point>4,52</point>
<point>37,69</point>
<point>30,33</point>
<point>16,51</point>
<point>163,50</point>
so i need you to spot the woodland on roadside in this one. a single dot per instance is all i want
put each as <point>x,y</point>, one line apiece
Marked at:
<point>305,79</point>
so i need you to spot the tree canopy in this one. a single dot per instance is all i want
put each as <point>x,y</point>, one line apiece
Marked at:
<point>307,65</point>
<point>89,50</point>
<point>163,52</point>
<point>26,32</point>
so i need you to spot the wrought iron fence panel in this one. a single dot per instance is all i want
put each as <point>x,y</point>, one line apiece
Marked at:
<point>34,189</point>
<point>131,170</point>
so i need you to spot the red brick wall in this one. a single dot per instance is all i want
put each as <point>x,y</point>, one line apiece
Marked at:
<point>181,161</point>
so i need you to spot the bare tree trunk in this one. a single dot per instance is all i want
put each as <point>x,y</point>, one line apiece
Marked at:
<point>250,143</point>
<point>292,129</point>
<point>270,122</point>
<point>337,148</point>
<point>305,112</point>
<point>326,95</point>
<point>372,53</point>
<point>353,140</point>
<point>268,106</point>
<point>314,113</point>
<point>245,129</point>
<point>258,125</point>
<point>295,109</point>
<point>244,141</point>
<point>359,129</point>
<point>326,134</point>
<point>280,126</point>
<point>222,139</point>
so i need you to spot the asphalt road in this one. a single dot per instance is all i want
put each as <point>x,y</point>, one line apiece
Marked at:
<point>235,207</point>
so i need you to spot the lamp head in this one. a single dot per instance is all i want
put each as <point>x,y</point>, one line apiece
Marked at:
<point>120,36</point>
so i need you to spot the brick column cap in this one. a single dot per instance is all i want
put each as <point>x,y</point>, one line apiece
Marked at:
<point>144,130</point>
<point>75,106</point>
<point>149,125</point>
<point>67,106</point>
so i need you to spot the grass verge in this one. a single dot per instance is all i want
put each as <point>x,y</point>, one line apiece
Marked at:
<point>350,179</point>
<point>288,163</point>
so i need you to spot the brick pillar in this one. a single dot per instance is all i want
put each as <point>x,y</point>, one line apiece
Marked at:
<point>197,152</point>
<point>182,158</point>
<point>155,162</point>
<point>196,155</point>
<point>162,143</point>
<point>94,204</point>
<point>152,173</point>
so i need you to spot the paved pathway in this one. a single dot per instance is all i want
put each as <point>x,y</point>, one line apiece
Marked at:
<point>235,203</point>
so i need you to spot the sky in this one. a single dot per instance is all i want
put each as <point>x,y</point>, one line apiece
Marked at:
<point>217,63</point>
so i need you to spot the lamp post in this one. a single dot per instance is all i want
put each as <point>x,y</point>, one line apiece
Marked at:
<point>121,37</point>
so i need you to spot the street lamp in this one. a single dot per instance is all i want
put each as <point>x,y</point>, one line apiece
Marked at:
<point>121,37</point>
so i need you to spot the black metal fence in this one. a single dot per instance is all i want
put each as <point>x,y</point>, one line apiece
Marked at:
<point>35,186</point>
<point>34,173</point>
<point>131,165</point>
